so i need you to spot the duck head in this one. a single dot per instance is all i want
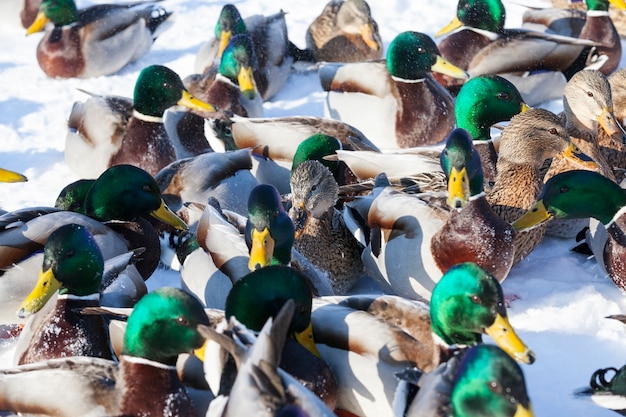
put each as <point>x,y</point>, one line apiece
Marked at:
<point>489,382</point>
<point>262,293</point>
<point>461,163</point>
<point>411,55</point>
<point>484,101</point>
<point>468,302</point>
<point>158,88</point>
<point>163,324</point>
<point>59,12</point>
<point>229,24</point>
<point>239,63</point>
<point>487,15</point>
<point>572,195</point>
<point>72,264</point>
<point>125,192</point>
<point>269,230</point>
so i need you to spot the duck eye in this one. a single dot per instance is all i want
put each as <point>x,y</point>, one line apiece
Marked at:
<point>475,299</point>
<point>589,94</point>
<point>564,189</point>
<point>503,95</point>
<point>552,131</point>
<point>494,387</point>
<point>182,321</point>
<point>146,188</point>
<point>69,254</point>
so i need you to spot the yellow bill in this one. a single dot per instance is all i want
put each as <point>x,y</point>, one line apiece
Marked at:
<point>503,334</point>
<point>367,33</point>
<point>193,103</point>
<point>262,249</point>
<point>39,24</point>
<point>453,25</point>
<point>46,286</point>
<point>536,216</point>
<point>10,176</point>
<point>246,82</point>
<point>444,67</point>
<point>305,338</point>
<point>458,188</point>
<point>165,214</point>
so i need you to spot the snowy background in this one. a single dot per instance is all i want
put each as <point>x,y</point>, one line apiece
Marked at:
<point>564,297</point>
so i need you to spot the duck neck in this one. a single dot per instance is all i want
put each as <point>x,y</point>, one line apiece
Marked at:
<point>152,388</point>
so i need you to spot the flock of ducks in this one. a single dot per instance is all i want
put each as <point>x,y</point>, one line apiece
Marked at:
<point>275,221</point>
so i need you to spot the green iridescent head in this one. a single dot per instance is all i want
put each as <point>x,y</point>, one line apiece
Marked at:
<point>489,383</point>
<point>163,325</point>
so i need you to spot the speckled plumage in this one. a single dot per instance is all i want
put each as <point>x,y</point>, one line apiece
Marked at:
<point>530,139</point>
<point>324,238</point>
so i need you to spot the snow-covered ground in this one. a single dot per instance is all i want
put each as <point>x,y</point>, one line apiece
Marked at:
<point>563,296</point>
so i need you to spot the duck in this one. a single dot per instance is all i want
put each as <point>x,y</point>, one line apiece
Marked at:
<point>355,89</point>
<point>73,266</point>
<point>103,386</point>
<point>368,338</point>
<point>565,196</point>
<point>225,247</point>
<point>113,207</point>
<point>233,86</point>
<point>587,109</point>
<point>259,296</point>
<point>259,356</point>
<point>344,31</point>
<point>478,48</point>
<point>596,24</point>
<point>462,386</point>
<point>321,234</point>
<point>270,43</point>
<point>86,43</point>
<point>225,176</point>
<point>424,228</point>
<point>110,130</point>
<point>481,102</point>
<point>527,142</point>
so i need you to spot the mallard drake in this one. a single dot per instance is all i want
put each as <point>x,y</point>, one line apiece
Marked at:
<point>481,47</point>
<point>530,139</point>
<point>345,31</point>
<point>87,43</point>
<point>270,44</point>
<point>225,176</point>
<point>367,338</point>
<point>481,102</point>
<point>396,104</point>
<point>163,324</point>
<point>463,387</point>
<point>583,194</point>
<point>73,265</point>
<point>587,108</point>
<point>429,234</point>
<point>321,234</point>
<point>110,130</point>
<point>113,206</point>
<point>259,296</point>
<point>596,24</point>
<point>251,391</point>
<point>232,87</point>
<point>229,248</point>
